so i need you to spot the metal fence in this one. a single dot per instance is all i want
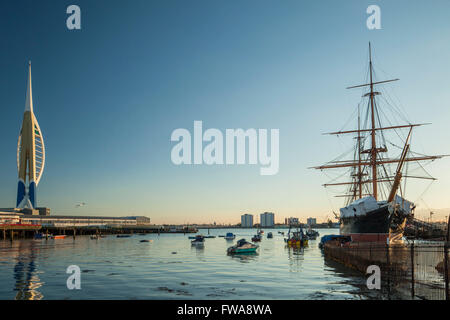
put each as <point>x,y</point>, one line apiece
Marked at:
<point>408,271</point>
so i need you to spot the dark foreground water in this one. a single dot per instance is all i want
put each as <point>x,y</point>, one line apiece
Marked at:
<point>170,268</point>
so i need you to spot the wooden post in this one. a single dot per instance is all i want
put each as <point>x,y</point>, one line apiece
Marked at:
<point>412,271</point>
<point>388,266</point>
<point>12,235</point>
<point>74,233</point>
<point>446,262</point>
<point>448,229</point>
<point>447,292</point>
<point>4,234</point>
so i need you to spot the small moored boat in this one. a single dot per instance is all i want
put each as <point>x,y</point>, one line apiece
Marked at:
<point>334,237</point>
<point>58,237</point>
<point>39,236</point>
<point>297,238</point>
<point>312,234</point>
<point>198,241</point>
<point>242,246</point>
<point>230,236</point>
<point>256,238</point>
<point>270,235</point>
<point>206,237</point>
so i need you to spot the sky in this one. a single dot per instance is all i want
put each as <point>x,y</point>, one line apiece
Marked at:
<point>108,97</point>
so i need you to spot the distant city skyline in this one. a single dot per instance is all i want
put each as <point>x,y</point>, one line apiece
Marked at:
<point>109,96</point>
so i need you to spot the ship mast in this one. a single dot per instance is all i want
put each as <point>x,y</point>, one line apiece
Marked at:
<point>371,160</point>
<point>359,156</point>
<point>373,152</point>
<point>357,187</point>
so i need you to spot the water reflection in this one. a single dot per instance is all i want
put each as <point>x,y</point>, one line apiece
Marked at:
<point>25,273</point>
<point>199,251</point>
<point>295,257</point>
<point>125,269</point>
<point>353,281</point>
<point>244,257</point>
<point>340,270</point>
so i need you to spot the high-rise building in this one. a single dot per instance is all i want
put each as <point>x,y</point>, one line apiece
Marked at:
<point>292,221</point>
<point>247,221</point>
<point>311,221</point>
<point>30,154</point>
<point>267,219</point>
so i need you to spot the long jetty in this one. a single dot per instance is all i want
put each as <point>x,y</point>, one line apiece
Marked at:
<point>23,231</point>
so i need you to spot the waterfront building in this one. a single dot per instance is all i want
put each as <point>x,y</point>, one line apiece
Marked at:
<point>71,221</point>
<point>42,211</point>
<point>291,221</point>
<point>9,217</point>
<point>247,221</point>
<point>140,220</point>
<point>267,219</point>
<point>30,154</point>
<point>311,221</point>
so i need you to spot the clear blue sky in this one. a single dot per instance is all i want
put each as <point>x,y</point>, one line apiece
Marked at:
<point>108,97</point>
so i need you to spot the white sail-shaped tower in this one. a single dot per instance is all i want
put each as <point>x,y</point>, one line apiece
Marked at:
<point>30,154</point>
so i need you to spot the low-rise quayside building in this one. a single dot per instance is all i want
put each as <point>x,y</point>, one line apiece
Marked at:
<point>71,221</point>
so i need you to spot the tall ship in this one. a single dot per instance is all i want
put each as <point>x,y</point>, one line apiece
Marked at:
<point>375,207</point>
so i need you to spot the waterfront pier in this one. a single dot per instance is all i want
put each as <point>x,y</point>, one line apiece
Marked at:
<point>11,231</point>
<point>23,231</point>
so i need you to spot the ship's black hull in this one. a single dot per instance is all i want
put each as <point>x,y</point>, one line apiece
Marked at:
<point>373,226</point>
<point>376,221</point>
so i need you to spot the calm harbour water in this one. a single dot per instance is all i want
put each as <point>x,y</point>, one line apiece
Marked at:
<point>170,268</point>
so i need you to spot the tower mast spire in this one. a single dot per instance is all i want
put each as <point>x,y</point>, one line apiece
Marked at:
<point>29,99</point>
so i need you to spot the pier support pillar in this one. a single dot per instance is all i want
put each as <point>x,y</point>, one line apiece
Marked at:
<point>4,234</point>
<point>446,267</point>
<point>388,264</point>
<point>412,272</point>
